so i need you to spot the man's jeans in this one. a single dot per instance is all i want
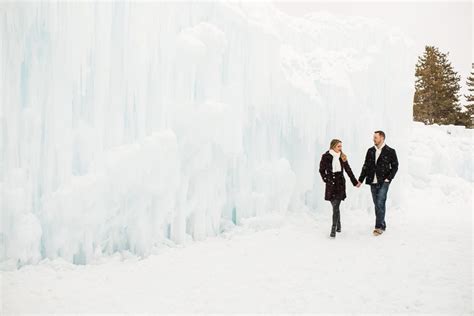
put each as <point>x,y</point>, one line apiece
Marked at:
<point>379,195</point>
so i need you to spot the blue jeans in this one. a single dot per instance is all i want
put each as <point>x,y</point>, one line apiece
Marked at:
<point>379,195</point>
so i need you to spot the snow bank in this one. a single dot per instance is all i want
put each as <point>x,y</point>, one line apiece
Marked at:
<point>125,125</point>
<point>440,164</point>
<point>441,150</point>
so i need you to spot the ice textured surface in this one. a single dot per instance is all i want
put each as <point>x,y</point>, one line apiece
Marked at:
<point>126,125</point>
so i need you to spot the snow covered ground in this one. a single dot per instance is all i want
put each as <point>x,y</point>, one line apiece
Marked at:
<point>287,263</point>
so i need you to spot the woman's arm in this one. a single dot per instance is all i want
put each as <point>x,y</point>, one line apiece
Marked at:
<point>349,172</point>
<point>322,169</point>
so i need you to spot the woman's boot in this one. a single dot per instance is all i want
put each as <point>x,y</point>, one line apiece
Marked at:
<point>333,232</point>
<point>338,226</point>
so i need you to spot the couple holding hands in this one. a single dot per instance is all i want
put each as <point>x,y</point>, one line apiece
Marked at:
<point>379,169</point>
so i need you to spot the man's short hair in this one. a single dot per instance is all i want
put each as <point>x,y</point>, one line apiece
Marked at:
<point>381,133</point>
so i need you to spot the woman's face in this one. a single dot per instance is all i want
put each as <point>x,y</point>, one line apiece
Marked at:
<point>338,147</point>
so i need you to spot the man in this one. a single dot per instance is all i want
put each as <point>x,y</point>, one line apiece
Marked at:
<point>380,167</point>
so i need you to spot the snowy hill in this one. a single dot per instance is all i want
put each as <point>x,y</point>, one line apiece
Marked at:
<point>129,126</point>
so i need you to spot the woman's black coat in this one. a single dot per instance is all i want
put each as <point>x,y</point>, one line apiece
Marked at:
<point>335,182</point>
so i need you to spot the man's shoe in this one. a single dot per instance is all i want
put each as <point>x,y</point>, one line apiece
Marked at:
<point>378,231</point>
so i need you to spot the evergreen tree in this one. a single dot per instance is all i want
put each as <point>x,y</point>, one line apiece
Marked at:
<point>436,98</point>
<point>470,99</point>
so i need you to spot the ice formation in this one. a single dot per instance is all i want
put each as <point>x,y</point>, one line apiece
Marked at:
<point>129,125</point>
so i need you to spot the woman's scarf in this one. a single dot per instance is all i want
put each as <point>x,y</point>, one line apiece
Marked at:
<point>336,165</point>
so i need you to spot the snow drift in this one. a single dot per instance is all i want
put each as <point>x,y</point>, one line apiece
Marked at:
<point>129,125</point>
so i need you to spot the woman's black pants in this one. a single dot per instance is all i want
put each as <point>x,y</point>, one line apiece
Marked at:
<point>336,213</point>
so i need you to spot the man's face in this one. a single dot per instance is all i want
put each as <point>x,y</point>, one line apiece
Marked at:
<point>378,139</point>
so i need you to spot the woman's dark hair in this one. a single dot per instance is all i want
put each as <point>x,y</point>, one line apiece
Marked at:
<point>381,133</point>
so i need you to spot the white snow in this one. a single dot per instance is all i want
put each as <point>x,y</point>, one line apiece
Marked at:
<point>286,263</point>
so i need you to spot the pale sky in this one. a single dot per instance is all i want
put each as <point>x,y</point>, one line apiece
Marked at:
<point>447,25</point>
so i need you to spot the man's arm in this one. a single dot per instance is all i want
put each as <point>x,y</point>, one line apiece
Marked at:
<point>393,165</point>
<point>363,172</point>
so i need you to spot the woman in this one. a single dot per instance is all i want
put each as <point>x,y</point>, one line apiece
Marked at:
<point>331,167</point>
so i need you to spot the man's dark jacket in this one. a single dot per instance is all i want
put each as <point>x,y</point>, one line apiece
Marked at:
<point>385,168</point>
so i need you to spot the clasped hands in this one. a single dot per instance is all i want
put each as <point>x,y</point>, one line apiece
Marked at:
<point>360,183</point>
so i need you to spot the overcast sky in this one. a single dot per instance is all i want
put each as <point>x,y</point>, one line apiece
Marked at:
<point>447,25</point>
